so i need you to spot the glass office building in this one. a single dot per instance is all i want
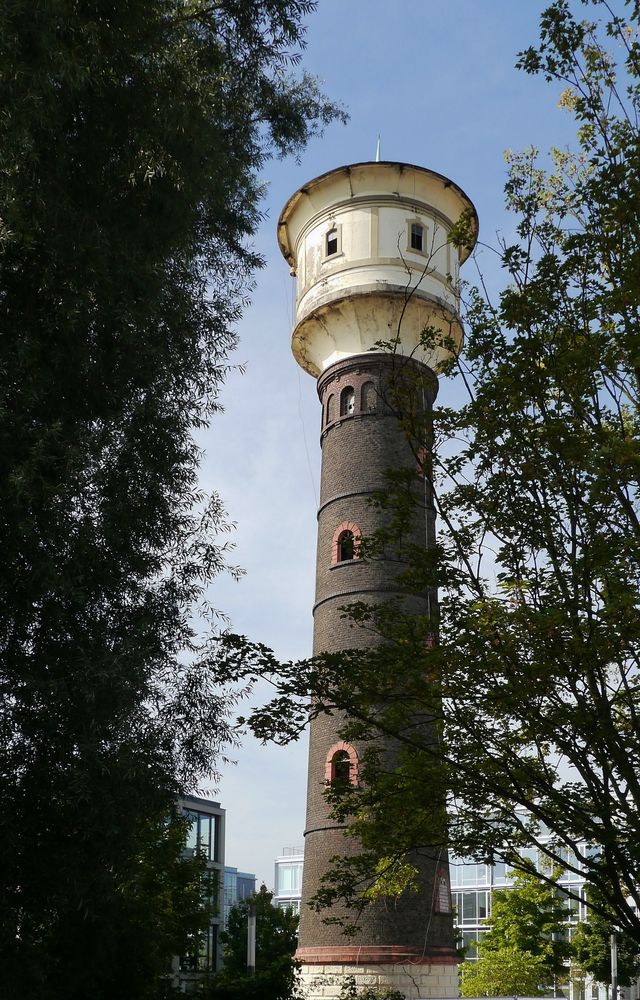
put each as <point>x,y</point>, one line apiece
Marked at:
<point>237,886</point>
<point>288,878</point>
<point>472,885</point>
<point>206,833</point>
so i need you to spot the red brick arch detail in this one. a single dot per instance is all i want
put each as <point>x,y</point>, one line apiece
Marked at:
<point>442,891</point>
<point>354,772</point>
<point>357,539</point>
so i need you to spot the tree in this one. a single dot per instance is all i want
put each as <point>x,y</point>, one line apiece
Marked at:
<point>165,909</point>
<point>276,975</point>
<point>526,942</point>
<point>591,947</point>
<point>531,918</point>
<point>505,972</point>
<point>132,140</point>
<point>533,679</point>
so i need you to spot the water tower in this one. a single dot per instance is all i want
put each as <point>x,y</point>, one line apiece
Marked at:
<point>368,244</point>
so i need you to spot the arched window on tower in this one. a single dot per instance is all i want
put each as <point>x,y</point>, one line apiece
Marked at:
<point>341,765</point>
<point>368,398</point>
<point>330,408</point>
<point>346,543</point>
<point>347,401</point>
<point>346,546</point>
<point>340,768</point>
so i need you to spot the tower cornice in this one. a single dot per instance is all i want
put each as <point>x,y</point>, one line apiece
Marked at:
<point>384,169</point>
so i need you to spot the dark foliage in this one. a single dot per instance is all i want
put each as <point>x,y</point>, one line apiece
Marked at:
<point>131,137</point>
<point>276,975</point>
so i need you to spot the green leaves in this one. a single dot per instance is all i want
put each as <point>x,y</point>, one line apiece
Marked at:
<point>132,139</point>
<point>591,945</point>
<point>525,949</point>
<point>276,972</point>
<point>503,973</point>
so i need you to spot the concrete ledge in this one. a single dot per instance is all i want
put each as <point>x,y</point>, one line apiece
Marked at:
<point>359,955</point>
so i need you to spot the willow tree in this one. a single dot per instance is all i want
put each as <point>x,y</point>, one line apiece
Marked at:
<point>132,137</point>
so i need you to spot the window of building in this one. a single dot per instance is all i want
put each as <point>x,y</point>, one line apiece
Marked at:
<point>368,398</point>
<point>347,401</point>
<point>468,873</point>
<point>203,834</point>
<point>341,765</point>
<point>330,408</point>
<point>340,768</point>
<point>333,241</point>
<point>583,912</point>
<point>472,907</point>
<point>346,546</point>
<point>191,843</point>
<point>571,907</point>
<point>346,543</point>
<point>416,236</point>
<point>569,857</point>
<point>469,942</point>
<point>205,959</point>
<point>208,951</point>
<point>530,854</point>
<point>288,877</point>
<point>501,874</point>
<point>288,904</point>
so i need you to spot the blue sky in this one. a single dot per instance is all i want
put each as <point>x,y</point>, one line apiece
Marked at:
<point>437,81</point>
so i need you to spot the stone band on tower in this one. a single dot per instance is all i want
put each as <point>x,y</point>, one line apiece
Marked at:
<point>369,246</point>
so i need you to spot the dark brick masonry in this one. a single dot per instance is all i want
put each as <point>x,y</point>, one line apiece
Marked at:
<point>357,449</point>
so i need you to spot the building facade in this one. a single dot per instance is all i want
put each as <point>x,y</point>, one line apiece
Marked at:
<point>206,833</point>
<point>237,886</point>
<point>369,246</point>
<point>288,878</point>
<point>473,885</point>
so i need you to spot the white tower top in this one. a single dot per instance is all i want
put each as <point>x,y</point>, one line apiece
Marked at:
<point>369,246</point>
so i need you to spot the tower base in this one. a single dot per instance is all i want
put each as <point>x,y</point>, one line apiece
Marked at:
<point>413,981</point>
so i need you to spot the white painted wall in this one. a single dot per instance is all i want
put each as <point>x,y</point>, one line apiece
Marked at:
<point>349,301</point>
